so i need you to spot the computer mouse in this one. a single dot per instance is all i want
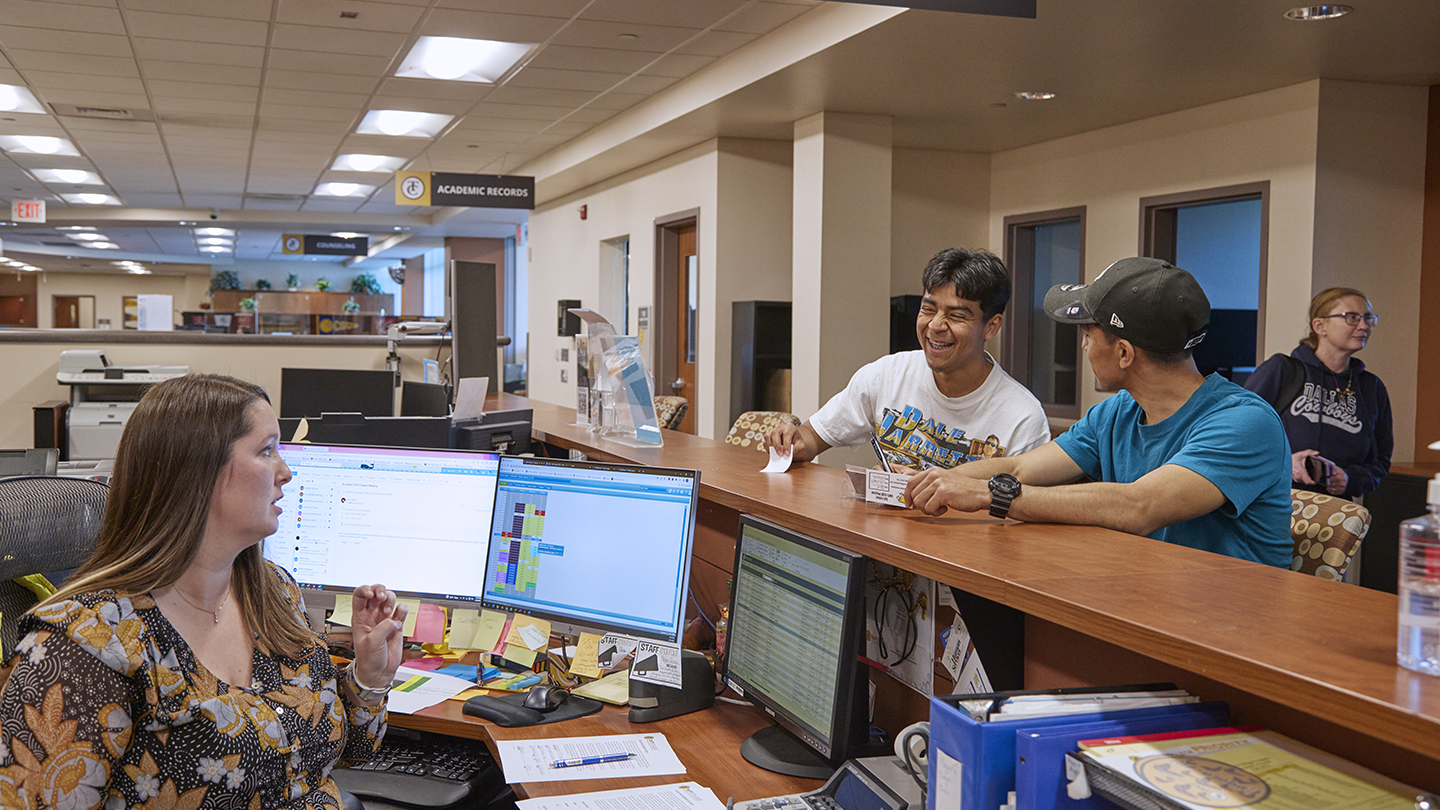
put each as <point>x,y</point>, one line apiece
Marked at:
<point>545,698</point>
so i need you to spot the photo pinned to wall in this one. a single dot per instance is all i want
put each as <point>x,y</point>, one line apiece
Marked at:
<point>900,625</point>
<point>657,662</point>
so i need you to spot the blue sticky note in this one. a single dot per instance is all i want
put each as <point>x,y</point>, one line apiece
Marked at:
<point>465,672</point>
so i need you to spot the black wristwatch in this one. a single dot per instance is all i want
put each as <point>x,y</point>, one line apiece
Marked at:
<point>1004,488</point>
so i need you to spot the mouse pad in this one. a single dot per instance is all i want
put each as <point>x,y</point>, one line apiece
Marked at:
<point>509,711</point>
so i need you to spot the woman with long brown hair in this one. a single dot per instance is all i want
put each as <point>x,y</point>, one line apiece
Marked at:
<point>176,666</point>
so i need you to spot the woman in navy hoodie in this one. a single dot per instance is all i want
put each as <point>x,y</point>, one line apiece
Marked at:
<point>1341,416</point>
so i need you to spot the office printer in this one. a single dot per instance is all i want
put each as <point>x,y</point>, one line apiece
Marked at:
<point>102,397</point>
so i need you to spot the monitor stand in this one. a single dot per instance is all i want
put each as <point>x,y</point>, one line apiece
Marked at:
<point>775,749</point>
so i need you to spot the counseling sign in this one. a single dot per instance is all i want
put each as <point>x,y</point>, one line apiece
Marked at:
<point>464,190</point>
<point>300,244</point>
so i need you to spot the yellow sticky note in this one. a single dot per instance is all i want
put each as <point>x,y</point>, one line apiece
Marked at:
<point>520,654</point>
<point>343,605</point>
<point>488,630</point>
<point>586,651</point>
<point>462,627</point>
<point>528,632</point>
<point>412,614</point>
<point>469,693</point>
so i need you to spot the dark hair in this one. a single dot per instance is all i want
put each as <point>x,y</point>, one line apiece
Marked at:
<point>175,447</point>
<point>1320,306</point>
<point>1158,358</point>
<point>977,275</point>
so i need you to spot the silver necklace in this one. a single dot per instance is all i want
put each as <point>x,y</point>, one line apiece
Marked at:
<point>213,613</point>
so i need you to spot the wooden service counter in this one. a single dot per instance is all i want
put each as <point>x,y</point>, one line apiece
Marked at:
<point>1310,658</point>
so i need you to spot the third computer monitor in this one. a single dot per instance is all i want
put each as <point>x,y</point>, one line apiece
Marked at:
<point>593,546</point>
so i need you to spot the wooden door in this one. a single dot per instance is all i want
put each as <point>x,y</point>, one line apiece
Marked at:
<point>687,322</point>
<point>67,312</point>
<point>17,310</point>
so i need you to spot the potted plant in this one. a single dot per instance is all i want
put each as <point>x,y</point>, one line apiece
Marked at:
<point>245,318</point>
<point>365,284</point>
<point>247,304</point>
<point>262,284</point>
<point>224,280</point>
<point>292,281</point>
<point>322,284</point>
<point>350,307</point>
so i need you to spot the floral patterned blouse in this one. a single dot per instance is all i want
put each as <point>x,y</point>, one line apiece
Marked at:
<point>108,707</point>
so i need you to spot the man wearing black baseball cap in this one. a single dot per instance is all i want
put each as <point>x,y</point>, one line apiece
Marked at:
<point>1176,456</point>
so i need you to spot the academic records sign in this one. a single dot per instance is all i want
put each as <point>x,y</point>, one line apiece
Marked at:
<point>297,244</point>
<point>464,190</point>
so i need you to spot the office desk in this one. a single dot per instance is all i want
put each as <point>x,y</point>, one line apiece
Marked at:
<point>1311,658</point>
<point>708,743</point>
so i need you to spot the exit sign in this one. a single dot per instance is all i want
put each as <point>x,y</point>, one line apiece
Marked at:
<point>27,210</point>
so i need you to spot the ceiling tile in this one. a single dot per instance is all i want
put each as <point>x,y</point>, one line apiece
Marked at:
<point>716,43</point>
<point>213,200</point>
<point>679,65</point>
<point>62,16</point>
<point>539,8</point>
<point>317,82</point>
<point>85,98</point>
<point>45,80</point>
<point>271,205</point>
<point>571,57</point>
<point>64,41</point>
<point>272,124</point>
<point>165,88</point>
<point>141,199</point>
<point>210,53</point>
<point>429,105</point>
<point>650,38</point>
<point>198,72</point>
<point>229,9</point>
<point>119,129</point>
<point>72,63</point>
<point>433,88</point>
<point>345,64</point>
<point>485,125</point>
<point>590,80</point>
<point>312,98</point>
<point>195,119</point>
<point>371,16</point>
<point>196,134</point>
<point>204,105</point>
<point>317,113</point>
<point>762,18</point>
<point>192,28</point>
<point>689,14</point>
<point>522,95</point>
<point>338,40</point>
<point>347,204</point>
<point>647,85</point>
<point>10,76</point>
<point>485,25</point>
<point>532,112</point>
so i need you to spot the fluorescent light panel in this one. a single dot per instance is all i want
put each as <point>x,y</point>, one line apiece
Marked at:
<point>367,163</point>
<point>37,145</point>
<point>343,190</point>
<point>89,198</point>
<point>14,98</point>
<point>403,123</point>
<point>73,177</point>
<point>484,61</point>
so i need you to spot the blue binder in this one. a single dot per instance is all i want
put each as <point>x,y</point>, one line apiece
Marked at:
<point>980,757</point>
<point>1040,751</point>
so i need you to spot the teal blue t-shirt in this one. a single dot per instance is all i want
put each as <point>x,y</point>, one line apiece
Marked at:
<point>1228,435</point>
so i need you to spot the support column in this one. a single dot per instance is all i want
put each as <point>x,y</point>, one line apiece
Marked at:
<point>840,252</point>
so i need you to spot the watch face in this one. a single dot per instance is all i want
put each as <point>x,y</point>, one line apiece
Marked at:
<point>1005,484</point>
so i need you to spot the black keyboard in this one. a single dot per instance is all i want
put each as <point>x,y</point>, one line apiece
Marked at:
<point>419,769</point>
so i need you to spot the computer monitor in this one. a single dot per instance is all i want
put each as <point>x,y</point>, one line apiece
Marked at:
<point>593,546</point>
<point>424,399</point>
<point>416,521</point>
<point>377,431</point>
<point>797,630</point>
<point>497,431</point>
<point>313,391</point>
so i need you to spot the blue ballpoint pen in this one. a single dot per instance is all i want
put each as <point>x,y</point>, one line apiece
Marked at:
<point>570,763</point>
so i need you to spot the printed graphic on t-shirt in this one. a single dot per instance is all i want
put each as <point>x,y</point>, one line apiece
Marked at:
<point>1327,406</point>
<point>908,438</point>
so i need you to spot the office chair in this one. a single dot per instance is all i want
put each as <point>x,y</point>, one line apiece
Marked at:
<point>750,428</point>
<point>46,524</point>
<point>1327,532</point>
<point>670,411</point>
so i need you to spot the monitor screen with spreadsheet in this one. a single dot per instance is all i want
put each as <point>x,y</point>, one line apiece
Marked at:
<point>593,546</point>
<point>797,620</point>
<point>416,521</point>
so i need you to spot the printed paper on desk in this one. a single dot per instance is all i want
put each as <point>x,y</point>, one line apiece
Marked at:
<point>530,760</point>
<point>656,662</point>
<point>413,690</point>
<point>613,649</point>
<point>779,462</point>
<point>470,396</point>
<point>885,487</point>
<point>685,795</point>
<point>585,660</point>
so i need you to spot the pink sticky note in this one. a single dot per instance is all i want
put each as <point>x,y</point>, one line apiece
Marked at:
<point>426,664</point>
<point>429,624</point>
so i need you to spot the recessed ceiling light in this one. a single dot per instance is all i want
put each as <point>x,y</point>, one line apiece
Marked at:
<point>347,235</point>
<point>485,61</point>
<point>216,249</point>
<point>343,190</point>
<point>406,123</point>
<point>215,240</point>
<point>103,246</point>
<point>214,232</point>
<point>74,177</point>
<point>1034,95</point>
<point>91,198</point>
<point>89,237</point>
<point>37,145</point>
<point>14,98</point>
<point>367,163</point>
<point>1312,13</point>
<point>139,271</point>
<point>76,228</point>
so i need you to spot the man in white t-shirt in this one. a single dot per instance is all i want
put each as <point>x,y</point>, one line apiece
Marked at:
<point>947,403</point>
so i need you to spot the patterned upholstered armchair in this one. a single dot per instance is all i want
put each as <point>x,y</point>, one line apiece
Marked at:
<point>1327,532</point>
<point>750,428</point>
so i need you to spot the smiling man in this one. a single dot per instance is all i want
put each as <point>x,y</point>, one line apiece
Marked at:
<point>936,407</point>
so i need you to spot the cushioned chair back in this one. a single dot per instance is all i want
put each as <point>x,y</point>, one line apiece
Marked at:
<point>1327,532</point>
<point>670,411</point>
<point>47,524</point>
<point>749,430</point>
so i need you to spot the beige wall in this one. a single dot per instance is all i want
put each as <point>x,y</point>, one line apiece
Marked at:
<point>939,200</point>
<point>1266,136</point>
<point>30,369</point>
<point>188,290</point>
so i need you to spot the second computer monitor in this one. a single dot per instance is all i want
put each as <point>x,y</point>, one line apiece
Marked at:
<point>593,546</point>
<point>416,521</point>
<point>313,391</point>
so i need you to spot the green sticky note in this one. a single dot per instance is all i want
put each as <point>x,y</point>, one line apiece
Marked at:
<point>488,630</point>
<point>463,624</point>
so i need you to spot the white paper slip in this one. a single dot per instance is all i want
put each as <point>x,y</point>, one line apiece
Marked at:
<point>885,487</point>
<point>686,795</point>
<point>470,396</point>
<point>413,690</point>
<point>656,662</point>
<point>534,760</point>
<point>778,463</point>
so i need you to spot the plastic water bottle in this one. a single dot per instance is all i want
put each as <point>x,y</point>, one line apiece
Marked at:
<point>1418,647</point>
